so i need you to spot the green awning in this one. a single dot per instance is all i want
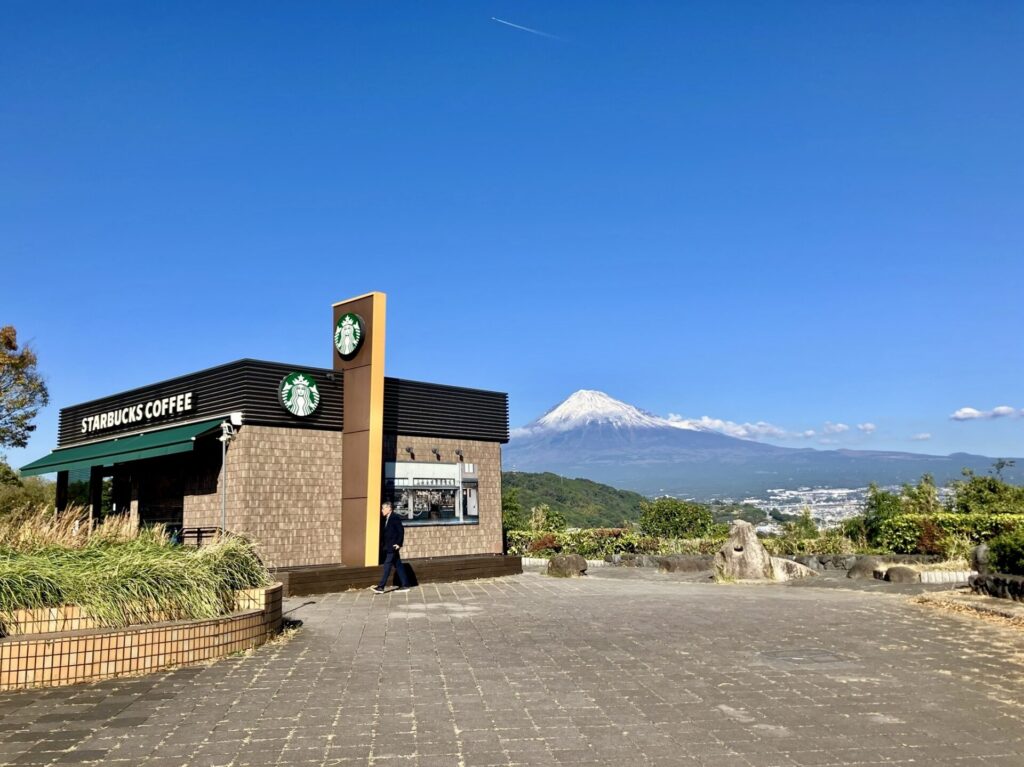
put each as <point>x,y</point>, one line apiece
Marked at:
<point>179,439</point>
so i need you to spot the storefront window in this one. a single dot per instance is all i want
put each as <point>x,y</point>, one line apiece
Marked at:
<point>432,493</point>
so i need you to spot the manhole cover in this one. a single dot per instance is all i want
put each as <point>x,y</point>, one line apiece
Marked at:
<point>806,656</point>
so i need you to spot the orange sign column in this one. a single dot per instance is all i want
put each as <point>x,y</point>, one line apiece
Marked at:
<point>358,352</point>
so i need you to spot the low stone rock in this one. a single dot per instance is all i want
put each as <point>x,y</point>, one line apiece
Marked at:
<point>999,585</point>
<point>687,563</point>
<point>646,560</point>
<point>807,560</point>
<point>864,567</point>
<point>567,566</point>
<point>980,559</point>
<point>902,574</point>
<point>788,570</point>
<point>843,561</point>
<point>743,557</point>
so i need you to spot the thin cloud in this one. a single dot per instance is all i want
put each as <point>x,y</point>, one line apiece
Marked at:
<point>867,428</point>
<point>758,430</point>
<point>835,428</point>
<point>973,414</point>
<point>922,437</point>
<point>525,29</point>
<point>747,430</point>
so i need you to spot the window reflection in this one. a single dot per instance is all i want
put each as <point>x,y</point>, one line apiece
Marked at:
<point>432,493</point>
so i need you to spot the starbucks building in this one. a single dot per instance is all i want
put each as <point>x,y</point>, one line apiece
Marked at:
<point>297,458</point>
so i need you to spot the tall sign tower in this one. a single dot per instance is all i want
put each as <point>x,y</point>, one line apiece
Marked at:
<point>358,353</point>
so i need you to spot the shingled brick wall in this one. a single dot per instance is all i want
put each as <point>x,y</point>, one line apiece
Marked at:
<point>284,492</point>
<point>453,540</point>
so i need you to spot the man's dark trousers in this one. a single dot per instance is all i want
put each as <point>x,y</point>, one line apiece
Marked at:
<point>393,559</point>
<point>393,536</point>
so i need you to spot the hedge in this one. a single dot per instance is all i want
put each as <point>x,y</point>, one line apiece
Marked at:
<point>925,533</point>
<point>598,543</point>
<point>1007,553</point>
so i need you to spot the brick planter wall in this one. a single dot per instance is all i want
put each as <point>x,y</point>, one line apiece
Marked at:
<point>62,657</point>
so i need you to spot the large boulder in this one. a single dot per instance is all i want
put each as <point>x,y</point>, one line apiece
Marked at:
<point>742,557</point>
<point>567,566</point>
<point>980,559</point>
<point>686,563</point>
<point>902,574</point>
<point>788,570</point>
<point>864,567</point>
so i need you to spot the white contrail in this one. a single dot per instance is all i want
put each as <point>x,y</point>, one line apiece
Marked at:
<point>524,29</point>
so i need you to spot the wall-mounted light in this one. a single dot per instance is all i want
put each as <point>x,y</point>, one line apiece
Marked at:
<point>436,452</point>
<point>411,453</point>
<point>459,454</point>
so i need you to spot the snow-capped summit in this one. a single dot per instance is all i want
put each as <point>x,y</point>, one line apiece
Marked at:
<point>587,406</point>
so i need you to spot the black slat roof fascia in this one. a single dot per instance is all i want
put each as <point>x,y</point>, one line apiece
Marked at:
<point>414,408</point>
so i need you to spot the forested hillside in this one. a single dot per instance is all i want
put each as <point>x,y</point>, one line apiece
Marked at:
<point>582,502</point>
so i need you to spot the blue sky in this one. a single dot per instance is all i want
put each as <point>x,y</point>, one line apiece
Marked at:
<point>789,213</point>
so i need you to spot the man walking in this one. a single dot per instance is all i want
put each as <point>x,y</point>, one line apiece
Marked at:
<point>392,537</point>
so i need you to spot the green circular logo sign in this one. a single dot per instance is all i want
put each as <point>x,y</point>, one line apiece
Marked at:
<point>348,335</point>
<point>299,394</point>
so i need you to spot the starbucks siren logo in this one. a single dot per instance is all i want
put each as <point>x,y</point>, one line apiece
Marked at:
<point>299,394</point>
<point>348,335</point>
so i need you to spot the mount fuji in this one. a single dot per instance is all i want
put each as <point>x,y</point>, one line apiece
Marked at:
<point>598,437</point>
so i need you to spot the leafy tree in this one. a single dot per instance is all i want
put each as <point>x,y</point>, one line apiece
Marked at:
<point>987,494</point>
<point>17,493</point>
<point>803,527</point>
<point>545,519</point>
<point>672,518</point>
<point>1002,463</point>
<point>8,476</point>
<point>512,517</point>
<point>22,390</point>
<point>922,498</point>
<point>879,506</point>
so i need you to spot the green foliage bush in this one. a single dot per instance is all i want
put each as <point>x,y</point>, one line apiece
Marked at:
<point>544,518</point>
<point>986,494</point>
<point>17,494</point>
<point>592,543</point>
<point>512,516</point>
<point>824,542</point>
<point>1007,552</point>
<point>928,534</point>
<point>119,578</point>
<point>672,518</point>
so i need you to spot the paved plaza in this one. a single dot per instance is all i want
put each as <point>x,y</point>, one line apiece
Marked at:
<point>617,668</point>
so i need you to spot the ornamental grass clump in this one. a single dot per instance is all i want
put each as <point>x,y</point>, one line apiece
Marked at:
<point>118,575</point>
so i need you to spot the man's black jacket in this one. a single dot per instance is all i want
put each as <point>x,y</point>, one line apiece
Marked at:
<point>393,533</point>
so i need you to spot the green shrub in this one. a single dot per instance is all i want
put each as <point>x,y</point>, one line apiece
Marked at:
<point>826,542</point>
<point>918,533</point>
<point>592,543</point>
<point>117,574</point>
<point>1007,552</point>
<point>672,518</point>
<point>708,545</point>
<point>986,494</point>
<point>544,518</point>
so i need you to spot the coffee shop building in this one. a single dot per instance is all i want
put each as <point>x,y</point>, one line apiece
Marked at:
<point>297,458</point>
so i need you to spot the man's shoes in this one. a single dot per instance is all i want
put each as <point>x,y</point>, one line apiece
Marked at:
<point>377,590</point>
<point>403,588</point>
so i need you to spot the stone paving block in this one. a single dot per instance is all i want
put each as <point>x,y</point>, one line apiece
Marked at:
<point>608,670</point>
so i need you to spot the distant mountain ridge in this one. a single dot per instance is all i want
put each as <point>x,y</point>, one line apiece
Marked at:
<point>595,436</point>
